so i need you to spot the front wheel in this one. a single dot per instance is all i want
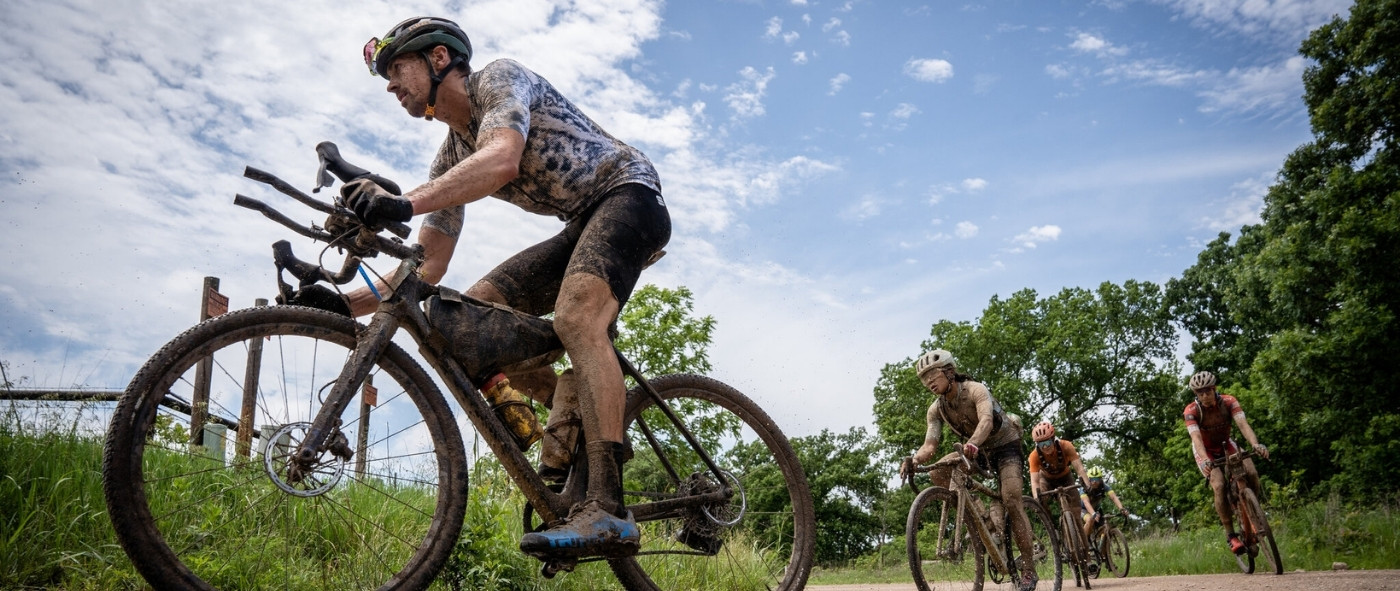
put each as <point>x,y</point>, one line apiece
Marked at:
<point>1263,534</point>
<point>762,537</point>
<point>1044,546</point>
<point>943,553</point>
<point>380,509</point>
<point>1116,552</point>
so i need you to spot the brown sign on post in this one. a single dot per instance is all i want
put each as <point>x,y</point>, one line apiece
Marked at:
<point>218,303</point>
<point>371,395</point>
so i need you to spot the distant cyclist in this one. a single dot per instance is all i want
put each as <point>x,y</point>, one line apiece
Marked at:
<point>967,407</point>
<point>1208,419</point>
<point>1091,496</point>
<point>1054,464</point>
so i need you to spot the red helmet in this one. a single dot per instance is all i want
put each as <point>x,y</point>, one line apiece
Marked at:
<point>1042,431</point>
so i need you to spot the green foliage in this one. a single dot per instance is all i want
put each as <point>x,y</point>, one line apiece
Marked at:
<point>659,333</point>
<point>1300,314</point>
<point>847,483</point>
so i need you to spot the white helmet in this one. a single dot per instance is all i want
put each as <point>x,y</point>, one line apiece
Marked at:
<point>935,359</point>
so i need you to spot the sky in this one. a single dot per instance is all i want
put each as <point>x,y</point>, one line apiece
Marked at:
<point>841,175</point>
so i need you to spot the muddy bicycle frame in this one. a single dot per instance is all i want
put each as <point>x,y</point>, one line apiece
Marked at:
<point>961,474</point>
<point>399,309</point>
<point>1080,548</point>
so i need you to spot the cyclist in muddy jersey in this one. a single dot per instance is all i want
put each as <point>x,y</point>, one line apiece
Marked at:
<point>511,135</point>
<point>1091,496</point>
<point>1208,419</point>
<point>969,410</point>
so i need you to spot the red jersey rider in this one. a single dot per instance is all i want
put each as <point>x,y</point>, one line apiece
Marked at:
<point>1208,420</point>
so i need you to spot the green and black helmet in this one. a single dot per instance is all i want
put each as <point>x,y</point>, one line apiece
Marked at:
<point>418,34</point>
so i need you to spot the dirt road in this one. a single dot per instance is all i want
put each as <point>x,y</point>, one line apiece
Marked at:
<point>1352,580</point>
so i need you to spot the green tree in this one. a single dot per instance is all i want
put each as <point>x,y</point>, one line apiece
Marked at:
<point>1307,300</point>
<point>847,482</point>
<point>659,333</point>
<point>1095,363</point>
<point>1099,364</point>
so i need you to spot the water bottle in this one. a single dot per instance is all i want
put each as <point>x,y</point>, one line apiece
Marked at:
<point>514,409</point>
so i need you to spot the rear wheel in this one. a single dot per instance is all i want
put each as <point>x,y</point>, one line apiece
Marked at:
<point>236,516</point>
<point>942,555</point>
<point>762,537</point>
<point>1264,535</point>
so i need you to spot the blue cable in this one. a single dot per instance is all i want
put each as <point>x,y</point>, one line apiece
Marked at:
<point>370,283</point>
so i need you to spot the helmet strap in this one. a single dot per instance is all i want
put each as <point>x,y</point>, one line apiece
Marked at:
<point>436,77</point>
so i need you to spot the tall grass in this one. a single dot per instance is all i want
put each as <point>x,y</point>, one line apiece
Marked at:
<point>55,532</point>
<point>1310,536</point>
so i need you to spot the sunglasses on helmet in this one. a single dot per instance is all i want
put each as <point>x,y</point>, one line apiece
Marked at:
<point>372,49</point>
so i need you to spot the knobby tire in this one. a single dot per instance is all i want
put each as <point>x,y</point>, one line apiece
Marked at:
<point>773,543</point>
<point>192,521</point>
<point>1264,535</point>
<point>932,560</point>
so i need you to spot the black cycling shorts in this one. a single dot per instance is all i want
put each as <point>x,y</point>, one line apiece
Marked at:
<point>611,241</point>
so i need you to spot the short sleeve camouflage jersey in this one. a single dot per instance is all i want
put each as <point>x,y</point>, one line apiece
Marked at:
<point>569,161</point>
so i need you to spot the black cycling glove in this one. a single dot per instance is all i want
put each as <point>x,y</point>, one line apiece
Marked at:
<point>374,205</point>
<point>319,297</point>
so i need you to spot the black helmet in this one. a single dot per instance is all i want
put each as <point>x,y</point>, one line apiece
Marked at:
<point>417,34</point>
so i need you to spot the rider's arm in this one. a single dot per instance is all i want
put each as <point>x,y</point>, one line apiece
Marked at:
<point>1243,424</point>
<point>495,162</point>
<point>1078,465</point>
<point>931,436</point>
<point>437,252</point>
<point>1034,462</point>
<point>1114,496</point>
<point>1198,447</point>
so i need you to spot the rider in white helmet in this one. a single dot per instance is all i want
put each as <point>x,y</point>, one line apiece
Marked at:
<point>992,437</point>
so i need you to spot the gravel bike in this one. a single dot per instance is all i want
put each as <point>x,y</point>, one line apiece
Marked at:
<point>1072,541</point>
<point>350,470</point>
<point>1255,532</point>
<point>1110,547</point>
<point>956,543</point>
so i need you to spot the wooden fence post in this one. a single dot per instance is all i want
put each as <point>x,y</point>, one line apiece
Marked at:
<point>244,443</point>
<point>369,396</point>
<point>199,406</point>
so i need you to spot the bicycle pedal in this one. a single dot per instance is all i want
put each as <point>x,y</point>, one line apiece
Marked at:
<point>554,567</point>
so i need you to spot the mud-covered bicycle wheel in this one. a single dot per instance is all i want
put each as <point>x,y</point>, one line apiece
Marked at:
<point>1262,532</point>
<point>762,537</point>
<point>1045,546</point>
<point>382,511</point>
<point>942,555</point>
<point>1117,555</point>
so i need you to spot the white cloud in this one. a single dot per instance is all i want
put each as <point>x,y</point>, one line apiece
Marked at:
<point>974,184</point>
<point>904,111</point>
<point>798,2</point>
<point>745,97</point>
<point>965,230</point>
<point>1283,21</point>
<point>1087,43</point>
<point>838,82</point>
<point>773,28</point>
<point>1243,206</point>
<point>866,207</point>
<point>1057,71</point>
<point>1037,235</point>
<point>928,69</point>
<point>790,37</point>
<point>1266,88</point>
<point>841,38</point>
<point>799,57</point>
<point>831,24</point>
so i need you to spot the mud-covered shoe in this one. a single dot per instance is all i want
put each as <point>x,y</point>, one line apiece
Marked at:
<point>1028,580</point>
<point>1236,545</point>
<point>588,531</point>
